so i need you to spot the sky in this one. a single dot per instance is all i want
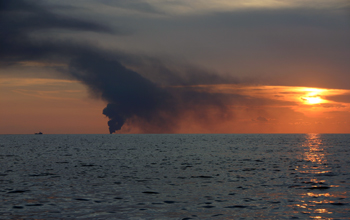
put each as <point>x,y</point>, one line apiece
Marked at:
<point>174,66</point>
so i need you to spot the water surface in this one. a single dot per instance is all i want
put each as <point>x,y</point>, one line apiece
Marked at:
<point>221,176</point>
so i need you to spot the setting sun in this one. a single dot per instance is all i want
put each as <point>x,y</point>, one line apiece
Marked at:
<point>312,100</point>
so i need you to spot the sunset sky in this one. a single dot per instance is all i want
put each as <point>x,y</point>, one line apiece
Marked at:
<point>174,66</point>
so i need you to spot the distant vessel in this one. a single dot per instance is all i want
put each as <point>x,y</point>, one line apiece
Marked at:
<point>39,133</point>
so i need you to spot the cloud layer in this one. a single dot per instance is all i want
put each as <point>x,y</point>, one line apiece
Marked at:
<point>129,94</point>
<point>137,60</point>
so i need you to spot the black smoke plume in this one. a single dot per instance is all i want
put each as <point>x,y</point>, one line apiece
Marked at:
<point>130,95</point>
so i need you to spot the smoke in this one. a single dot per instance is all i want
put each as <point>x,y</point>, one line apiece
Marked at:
<point>128,94</point>
<point>147,100</point>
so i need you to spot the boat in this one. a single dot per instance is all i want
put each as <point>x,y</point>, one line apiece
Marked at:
<point>39,133</point>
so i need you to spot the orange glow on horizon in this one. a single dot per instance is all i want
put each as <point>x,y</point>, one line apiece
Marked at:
<point>264,89</point>
<point>281,109</point>
<point>67,105</point>
<point>302,97</point>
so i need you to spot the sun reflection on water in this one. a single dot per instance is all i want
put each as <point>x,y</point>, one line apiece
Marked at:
<point>314,168</point>
<point>315,153</point>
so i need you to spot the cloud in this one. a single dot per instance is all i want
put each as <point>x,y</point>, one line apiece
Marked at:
<point>129,94</point>
<point>300,46</point>
<point>183,7</point>
<point>20,19</point>
<point>339,98</point>
<point>152,94</point>
<point>261,119</point>
<point>136,6</point>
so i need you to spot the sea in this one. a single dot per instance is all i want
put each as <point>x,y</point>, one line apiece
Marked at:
<point>175,176</point>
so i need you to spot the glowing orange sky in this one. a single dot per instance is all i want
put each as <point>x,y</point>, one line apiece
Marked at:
<point>296,113</point>
<point>50,106</point>
<point>64,106</point>
<point>286,65</point>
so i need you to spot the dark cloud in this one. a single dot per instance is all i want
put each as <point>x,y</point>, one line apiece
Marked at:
<point>156,96</point>
<point>172,74</point>
<point>331,105</point>
<point>130,96</point>
<point>135,5</point>
<point>19,19</point>
<point>261,119</point>
<point>24,17</point>
<point>127,92</point>
<point>339,98</point>
<point>294,46</point>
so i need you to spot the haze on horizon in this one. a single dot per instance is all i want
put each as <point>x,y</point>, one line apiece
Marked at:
<point>153,66</point>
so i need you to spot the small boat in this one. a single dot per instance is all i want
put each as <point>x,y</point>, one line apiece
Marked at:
<point>39,133</point>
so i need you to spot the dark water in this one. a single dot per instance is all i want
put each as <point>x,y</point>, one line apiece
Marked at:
<point>289,176</point>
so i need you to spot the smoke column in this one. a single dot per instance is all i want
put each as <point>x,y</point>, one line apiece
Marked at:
<point>130,96</point>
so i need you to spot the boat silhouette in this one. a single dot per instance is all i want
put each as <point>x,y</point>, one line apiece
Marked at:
<point>39,133</point>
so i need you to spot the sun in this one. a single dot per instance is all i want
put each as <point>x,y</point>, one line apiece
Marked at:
<point>312,96</point>
<point>311,100</point>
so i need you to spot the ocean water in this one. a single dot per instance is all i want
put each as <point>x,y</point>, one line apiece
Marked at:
<point>177,176</point>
